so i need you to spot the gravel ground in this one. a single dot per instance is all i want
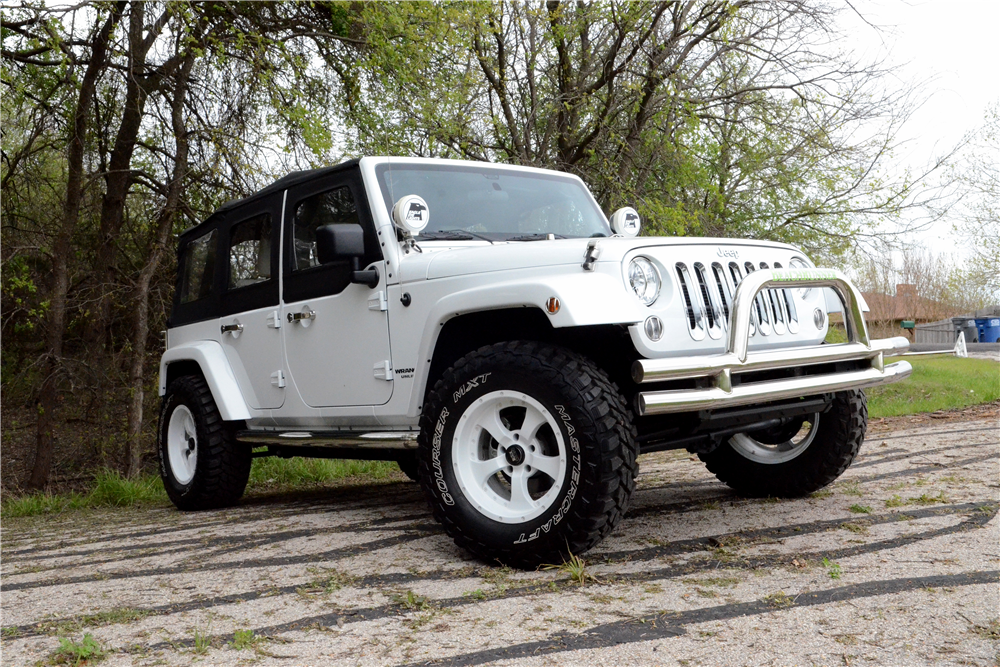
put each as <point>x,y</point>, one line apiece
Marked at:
<point>897,563</point>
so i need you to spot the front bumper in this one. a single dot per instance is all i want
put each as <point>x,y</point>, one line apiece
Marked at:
<point>721,368</point>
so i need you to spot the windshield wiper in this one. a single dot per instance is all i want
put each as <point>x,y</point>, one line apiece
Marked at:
<point>535,237</point>
<point>464,233</point>
<point>446,236</point>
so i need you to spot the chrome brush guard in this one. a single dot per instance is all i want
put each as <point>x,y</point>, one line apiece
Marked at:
<point>737,359</point>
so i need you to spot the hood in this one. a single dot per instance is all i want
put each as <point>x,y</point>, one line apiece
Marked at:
<point>441,260</point>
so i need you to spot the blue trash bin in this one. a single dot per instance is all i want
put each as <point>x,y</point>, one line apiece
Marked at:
<point>989,329</point>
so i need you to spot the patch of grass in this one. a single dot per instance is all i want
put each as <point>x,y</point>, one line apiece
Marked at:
<point>832,569</point>
<point>779,600</point>
<point>851,489</point>
<point>942,383</point>
<point>860,509</point>
<point>109,489</point>
<point>575,567</point>
<point>410,601</point>
<point>202,639</point>
<point>330,580</point>
<point>721,582</point>
<point>989,631</point>
<point>270,473</point>
<point>86,651</point>
<point>861,529</point>
<point>244,640</point>
<point>924,499</point>
<point>895,501</point>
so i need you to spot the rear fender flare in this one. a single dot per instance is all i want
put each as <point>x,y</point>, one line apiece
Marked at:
<point>211,358</point>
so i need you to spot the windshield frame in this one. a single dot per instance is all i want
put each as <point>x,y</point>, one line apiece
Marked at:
<point>385,167</point>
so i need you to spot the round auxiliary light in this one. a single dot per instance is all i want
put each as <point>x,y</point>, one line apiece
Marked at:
<point>411,214</point>
<point>626,222</point>
<point>653,328</point>
<point>644,280</point>
<point>799,263</point>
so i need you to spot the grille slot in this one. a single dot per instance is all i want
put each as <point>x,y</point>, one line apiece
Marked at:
<point>709,301</point>
<point>760,306</point>
<point>734,270</point>
<point>792,321</point>
<point>724,294</point>
<point>695,316</point>
<point>773,300</point>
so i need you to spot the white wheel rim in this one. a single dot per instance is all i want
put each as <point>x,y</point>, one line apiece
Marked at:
<point>774,454</point>
<point>489,441</point>
<point>182,444</point>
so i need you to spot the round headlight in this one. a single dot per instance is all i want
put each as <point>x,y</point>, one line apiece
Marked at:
<point>799,263</point>
<point>644,279</point>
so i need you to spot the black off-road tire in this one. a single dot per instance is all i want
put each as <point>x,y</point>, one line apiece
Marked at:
<point>592,416</point>
<point>838,439</point>
<point>222,466</point>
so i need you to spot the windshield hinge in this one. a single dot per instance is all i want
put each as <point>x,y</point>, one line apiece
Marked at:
<point>593,252</point>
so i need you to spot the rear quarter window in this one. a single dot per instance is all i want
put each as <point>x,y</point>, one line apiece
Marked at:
<point>198,267</point>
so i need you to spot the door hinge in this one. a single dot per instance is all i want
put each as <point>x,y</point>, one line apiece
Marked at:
<point>383,370</point>
<point>274,320</point>
<point>377,301</point>
<point>278,379</point>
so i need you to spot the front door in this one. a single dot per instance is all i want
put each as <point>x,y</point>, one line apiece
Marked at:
<point>336,333</point>
<point>249,303</point>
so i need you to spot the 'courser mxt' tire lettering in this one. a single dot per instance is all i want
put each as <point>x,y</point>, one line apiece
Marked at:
<point>527,452</point>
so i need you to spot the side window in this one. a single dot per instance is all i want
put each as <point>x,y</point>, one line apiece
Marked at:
<point>334,207</point>
<point>250,252</point>
<point>198,272</point>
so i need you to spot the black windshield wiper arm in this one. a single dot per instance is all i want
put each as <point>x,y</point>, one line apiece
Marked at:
<point>446,236</point>
<point>535,237</point>
<point>466,233</point>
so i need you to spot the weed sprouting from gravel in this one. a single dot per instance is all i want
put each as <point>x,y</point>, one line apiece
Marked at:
<point>86,651</point>
<point>991,630</point>
<point>860,509</point>
<point>832,569</point>
<point>410,601</point>
<point>779,600</point>
<point>244,640</point>
<point>202,639</point>
<point>575,568</point>
<point>895,501</point>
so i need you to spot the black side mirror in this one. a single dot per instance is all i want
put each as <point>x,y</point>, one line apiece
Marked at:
<point>336,243</point>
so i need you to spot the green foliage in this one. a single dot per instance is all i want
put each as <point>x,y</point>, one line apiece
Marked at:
<point>943,383</point>
<point>860,509</point>
<point>410,601</point>
<point>86,651</point>
<point>276,473</point>
<point>109,489</point>
<point>244,640</point>
<point>832,569</point>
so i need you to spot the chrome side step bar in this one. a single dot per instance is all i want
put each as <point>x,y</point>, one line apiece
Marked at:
<point>737,359</point>
<point>340,439</point>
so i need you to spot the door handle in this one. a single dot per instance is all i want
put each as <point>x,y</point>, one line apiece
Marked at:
<point>304,315</point>
<point>232,328</point>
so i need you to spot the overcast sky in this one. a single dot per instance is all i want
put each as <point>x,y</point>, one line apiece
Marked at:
<point>949,48</point>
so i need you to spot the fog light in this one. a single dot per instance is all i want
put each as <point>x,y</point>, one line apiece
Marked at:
<point>654,328</point>
<point>819,318</point>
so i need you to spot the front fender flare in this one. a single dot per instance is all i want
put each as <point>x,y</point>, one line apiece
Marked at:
<point>211,358</point>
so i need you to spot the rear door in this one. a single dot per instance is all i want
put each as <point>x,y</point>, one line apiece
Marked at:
<point>250,311</point>
<point>336,333</point>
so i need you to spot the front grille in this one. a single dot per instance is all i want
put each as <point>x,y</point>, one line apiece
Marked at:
<point>709,305</point>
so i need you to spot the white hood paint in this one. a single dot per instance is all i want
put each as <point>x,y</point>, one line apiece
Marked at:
<point>440,260</point>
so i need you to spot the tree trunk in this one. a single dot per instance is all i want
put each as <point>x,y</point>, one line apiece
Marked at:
<point>140,324</point>
<point>56,324</point>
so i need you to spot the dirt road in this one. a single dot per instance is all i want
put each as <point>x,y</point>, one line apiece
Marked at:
<point>898,563</point>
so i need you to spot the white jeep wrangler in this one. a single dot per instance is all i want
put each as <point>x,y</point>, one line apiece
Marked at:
<point>486,327</point>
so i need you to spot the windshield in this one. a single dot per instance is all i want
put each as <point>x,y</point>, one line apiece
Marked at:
<point>493,203</point>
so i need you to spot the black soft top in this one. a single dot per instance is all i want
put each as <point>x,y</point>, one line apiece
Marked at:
<point>283,183</point>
